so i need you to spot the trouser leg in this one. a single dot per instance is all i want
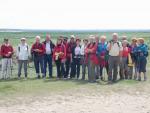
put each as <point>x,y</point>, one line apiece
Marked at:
<point>78,67</point>
<point>58,66</point>
<point>67,67</point>
<point>41,61</point>
<point>50,67</point>
<point>111,65</point>
<point>63,69</point>
<point>25,68</point>
<point>4,68</point>
<point>20,62</point>
<point>115,71</point>
<point>36,64</point>
<point>45,64</point>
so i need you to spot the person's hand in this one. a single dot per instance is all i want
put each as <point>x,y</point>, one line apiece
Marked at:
<point>37,50</point>
<point>141,54</point>
<point>71,60</point>
<point>109,47</point>
<point>17,57</point>
<point>63,60</point>
<point>89,50</point>
<point>7,55</point>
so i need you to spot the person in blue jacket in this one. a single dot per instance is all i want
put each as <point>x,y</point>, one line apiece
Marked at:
<point>102,54</point>
<point>142,53</point>
<point>134,57</point>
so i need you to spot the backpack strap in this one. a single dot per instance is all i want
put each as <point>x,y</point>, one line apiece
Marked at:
<point>18,48</point>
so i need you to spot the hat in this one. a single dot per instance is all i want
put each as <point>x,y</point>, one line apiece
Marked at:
<point>134,39</point>
<point>141,39</point>
<point>72,36</point>
<point>23,38</point>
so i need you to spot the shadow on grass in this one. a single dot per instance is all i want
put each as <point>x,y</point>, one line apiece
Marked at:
<point>78,82</point>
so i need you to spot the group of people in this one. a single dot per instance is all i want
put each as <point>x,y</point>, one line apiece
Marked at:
<point>94,54</point>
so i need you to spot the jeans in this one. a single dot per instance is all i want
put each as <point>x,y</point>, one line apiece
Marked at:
<point>60,68</point>
<point>6,68</point>
<point>67,66</point>
<point>75,68</point>
<point>48,60</point>
<point>39,62</point>
<point>20,63</point>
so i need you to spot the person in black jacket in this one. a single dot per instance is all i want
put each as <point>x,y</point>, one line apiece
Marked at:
<point>49,47</point>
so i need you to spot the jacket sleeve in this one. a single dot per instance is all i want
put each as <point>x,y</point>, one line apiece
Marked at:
<point>12,50</point>
<point>2,50</point>
<point>17,51</point>
<point>32,48</point>
<point>93,50</point>
<point>43,48</point>
<point>64,56</point>
<point>54,52</point>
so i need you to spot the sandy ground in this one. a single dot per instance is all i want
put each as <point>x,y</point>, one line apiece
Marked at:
<point>79,101</point>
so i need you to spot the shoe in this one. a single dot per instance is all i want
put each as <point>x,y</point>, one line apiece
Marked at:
<point>19,78</point>
<point>25,78</point>
<point>109,82</point>
<point>139,79</point>
<point>38,77</point>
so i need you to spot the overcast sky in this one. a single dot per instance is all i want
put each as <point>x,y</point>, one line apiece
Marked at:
<point>75,14</point>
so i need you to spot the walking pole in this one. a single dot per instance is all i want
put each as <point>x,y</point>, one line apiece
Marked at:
<point>11,67</point>
<point>6,69</point>
<point>104,72</point>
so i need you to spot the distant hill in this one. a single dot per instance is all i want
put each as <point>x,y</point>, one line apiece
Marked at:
<point>71,30</point>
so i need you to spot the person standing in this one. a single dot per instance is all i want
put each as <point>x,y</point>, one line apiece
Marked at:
<point>124,73</point>
<point>49,48</point>
<point>72,46</point>
<point>22,57</point>
<point>143,54</point>
<point>6,53</point>
<point>59,55</point>
<point>115,48</point>
<point>84,64</point>
<point>37,52</point>
<point>91,58</point>
<point>134,57</point>
<point>68,57</point>
<point>97,68</point>
<point>102,55</point>
<point>76,57</point>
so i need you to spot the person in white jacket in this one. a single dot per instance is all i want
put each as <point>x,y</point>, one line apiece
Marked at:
<point>22,57</point>
<point>84,65</point>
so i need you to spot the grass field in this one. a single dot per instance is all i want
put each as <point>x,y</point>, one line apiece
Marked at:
<point>23,92</point>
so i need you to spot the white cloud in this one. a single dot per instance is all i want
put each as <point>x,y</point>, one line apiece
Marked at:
<point>75,14</point>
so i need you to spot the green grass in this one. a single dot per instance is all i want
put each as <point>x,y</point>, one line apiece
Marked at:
<point>32,86</point>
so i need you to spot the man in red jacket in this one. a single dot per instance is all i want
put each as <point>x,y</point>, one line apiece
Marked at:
<point>6,53</point>
<point>37,52</point>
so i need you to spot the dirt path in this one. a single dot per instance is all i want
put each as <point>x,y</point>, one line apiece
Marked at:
<point>80,102</point>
